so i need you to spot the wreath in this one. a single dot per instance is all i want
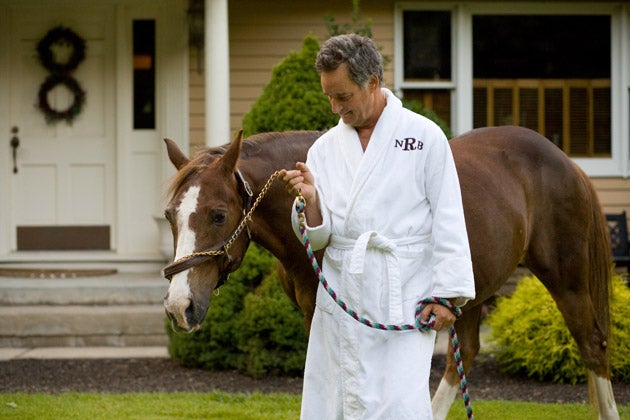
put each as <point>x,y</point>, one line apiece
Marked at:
<point>73,110</point>
<point>61,35</point>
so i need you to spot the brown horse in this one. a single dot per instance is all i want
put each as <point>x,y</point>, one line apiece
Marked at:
<point>525,202</point>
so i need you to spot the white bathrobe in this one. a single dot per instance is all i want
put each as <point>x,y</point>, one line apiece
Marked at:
<point>394,229</point>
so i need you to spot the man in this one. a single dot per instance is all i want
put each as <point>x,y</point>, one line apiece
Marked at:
<point>382,195</point>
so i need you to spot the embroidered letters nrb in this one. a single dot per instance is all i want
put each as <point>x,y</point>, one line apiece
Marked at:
<point>408,144</point>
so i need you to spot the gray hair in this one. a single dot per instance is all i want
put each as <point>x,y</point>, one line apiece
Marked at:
<point>358,52</point>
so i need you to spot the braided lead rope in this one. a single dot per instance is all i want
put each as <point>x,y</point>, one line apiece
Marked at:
<point>420,324</point>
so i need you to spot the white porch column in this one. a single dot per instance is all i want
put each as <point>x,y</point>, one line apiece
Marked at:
<point>217,72</point>
<point>462,97</point>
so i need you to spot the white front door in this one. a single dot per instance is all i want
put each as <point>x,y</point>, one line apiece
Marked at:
<point>65,172</point>
<point>97,183</point>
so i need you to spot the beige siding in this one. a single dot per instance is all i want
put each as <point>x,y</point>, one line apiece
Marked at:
<point>614,194</point>
<point>263,33</point>
<point>197,117</point>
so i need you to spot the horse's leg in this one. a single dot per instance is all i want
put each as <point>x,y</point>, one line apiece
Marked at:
<point>579,283</point>
<point>579,315</point>
<point>600,389</point>
<point>467,328</point>
<point>301,293</point>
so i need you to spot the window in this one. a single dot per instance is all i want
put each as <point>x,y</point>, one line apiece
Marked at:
<point>143,74</point>
<point>427,66</point>
<point>548,73</point>
<point>428,35</point>
<point>541,46</point>
<point>484,65</point>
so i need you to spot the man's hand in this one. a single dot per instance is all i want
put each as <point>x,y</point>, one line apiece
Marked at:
<point>300,181</point>
<point>444,318</point>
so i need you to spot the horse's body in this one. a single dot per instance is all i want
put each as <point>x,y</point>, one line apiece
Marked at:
<point>524,202</point>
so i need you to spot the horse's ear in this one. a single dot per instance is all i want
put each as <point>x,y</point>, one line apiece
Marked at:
<point>175,154</point>
<point>230,157</point>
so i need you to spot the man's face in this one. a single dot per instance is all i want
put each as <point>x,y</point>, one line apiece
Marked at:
<point>353,104</point>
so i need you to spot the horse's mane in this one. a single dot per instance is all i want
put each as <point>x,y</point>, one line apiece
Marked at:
<point>272,143</point>
<point>255,145</point>
<point>200,160</point>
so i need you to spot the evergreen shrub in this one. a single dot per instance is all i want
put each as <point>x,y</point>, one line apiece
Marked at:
<point>271,335</point>
<point>293,98</point>
<point>531,337</point>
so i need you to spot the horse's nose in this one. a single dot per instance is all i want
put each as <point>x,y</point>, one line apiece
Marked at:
<point>174,325</point>
<point>181,312</point>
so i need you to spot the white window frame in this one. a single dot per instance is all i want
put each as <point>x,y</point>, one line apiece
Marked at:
<point>461,83</point>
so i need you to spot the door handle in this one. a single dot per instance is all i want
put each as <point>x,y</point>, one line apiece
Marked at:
<point>15,143</point>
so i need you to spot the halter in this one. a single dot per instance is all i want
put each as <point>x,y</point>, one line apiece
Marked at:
<point>197,258</point>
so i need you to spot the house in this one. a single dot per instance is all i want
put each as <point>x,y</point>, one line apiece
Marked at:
<point>83,177</point>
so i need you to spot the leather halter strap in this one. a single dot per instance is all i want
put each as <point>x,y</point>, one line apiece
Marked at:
<point>198,258</point>
<point>247,195</point>
<point>185,263</point>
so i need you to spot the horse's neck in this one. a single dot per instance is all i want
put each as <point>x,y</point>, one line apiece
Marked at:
<point>269,228</point>
<point>271,225</point>
<point>271,222</point>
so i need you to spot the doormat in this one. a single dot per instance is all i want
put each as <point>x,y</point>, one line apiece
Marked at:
<point>58,238</point>
<point>54,273</point>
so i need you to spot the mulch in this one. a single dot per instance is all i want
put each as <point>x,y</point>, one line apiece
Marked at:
<point>485,380</point>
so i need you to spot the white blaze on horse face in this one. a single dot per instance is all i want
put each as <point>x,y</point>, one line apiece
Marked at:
<point>179,291</point>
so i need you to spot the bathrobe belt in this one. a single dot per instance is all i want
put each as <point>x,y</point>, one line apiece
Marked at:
<point>389,247</point>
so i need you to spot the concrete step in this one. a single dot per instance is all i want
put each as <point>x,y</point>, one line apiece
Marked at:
<point>116,289</point>
<point>123,309</point>
<point>82,325</point>
<point>143,352</point>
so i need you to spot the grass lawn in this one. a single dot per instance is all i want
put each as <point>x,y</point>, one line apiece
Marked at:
<point>220,405</point>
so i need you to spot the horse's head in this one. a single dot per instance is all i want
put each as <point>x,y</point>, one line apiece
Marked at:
<point>209,200</point>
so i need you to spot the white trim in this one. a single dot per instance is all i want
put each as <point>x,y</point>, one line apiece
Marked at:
<point>6,160</point>
<point>545,7</point>
<point>171,103</point>
<point>462,97</point>
<point>427,85</point>
<point>624,82</point>
<point>217,72</point>
<point>461,84</point>
<point>172,84</point>
<point>124,114</point>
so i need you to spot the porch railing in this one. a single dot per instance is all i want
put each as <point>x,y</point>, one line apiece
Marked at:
<point>573,113</point>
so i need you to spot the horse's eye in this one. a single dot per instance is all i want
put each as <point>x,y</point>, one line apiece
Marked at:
<point>217,217</point>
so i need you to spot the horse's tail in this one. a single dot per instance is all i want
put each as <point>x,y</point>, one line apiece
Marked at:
<point>599,267</point>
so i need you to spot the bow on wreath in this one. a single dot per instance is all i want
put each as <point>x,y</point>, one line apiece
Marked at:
<point>60,73</point>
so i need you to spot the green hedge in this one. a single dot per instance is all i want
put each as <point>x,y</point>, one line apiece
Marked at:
<point>271,336</point>
<point>531,337</point>
<point>293,98</point>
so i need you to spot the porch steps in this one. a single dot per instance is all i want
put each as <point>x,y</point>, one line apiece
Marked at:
<point>118,310</point>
